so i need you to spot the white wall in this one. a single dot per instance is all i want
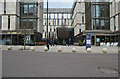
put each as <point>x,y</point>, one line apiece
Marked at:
<point>4,22</point>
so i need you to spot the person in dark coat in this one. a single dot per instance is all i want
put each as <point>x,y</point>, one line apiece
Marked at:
<point>51,42</point>
<point>69,42</point>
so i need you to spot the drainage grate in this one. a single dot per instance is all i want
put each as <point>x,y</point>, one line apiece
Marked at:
<point>108,70</point>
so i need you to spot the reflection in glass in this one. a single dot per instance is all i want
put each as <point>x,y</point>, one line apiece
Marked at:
<point>25,9</point>
<point>97,10</point>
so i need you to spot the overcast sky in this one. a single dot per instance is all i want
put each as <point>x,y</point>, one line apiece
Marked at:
<point>59,3</point>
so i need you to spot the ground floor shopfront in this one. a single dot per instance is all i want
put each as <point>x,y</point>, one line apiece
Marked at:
<point>17,38</point>
<point>98,37</point>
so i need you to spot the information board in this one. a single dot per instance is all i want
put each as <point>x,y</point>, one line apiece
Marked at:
<point>88,41</point>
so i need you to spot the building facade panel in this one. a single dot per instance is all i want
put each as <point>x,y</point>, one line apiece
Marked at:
<point>13,22</point>
<point>1,7</point>
<point>4,22</point>
<point>11,7</point>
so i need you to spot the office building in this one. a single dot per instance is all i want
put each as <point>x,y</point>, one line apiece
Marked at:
<point>57,18</point>
<point>19,18</point>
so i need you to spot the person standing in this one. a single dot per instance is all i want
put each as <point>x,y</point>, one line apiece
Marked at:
<point>51,42</point>
<point>69,42</point>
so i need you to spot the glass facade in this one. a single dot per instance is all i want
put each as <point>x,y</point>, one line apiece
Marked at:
<point>101,16</point>
<point>25,9</point>
<point>28,9</point>
<point>28,24</point>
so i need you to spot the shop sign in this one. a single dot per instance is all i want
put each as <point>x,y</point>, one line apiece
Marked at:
<point>14,32</point>
<point>91,33</point>
<point>100,34</point>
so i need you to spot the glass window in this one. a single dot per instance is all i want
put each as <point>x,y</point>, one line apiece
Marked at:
<point>65,21</point>
<point>80,29</point>
<point>54,28</point>
<point>36,9</point>
<point>57,15</point>
<point>49,22</point>
<point>68,21</point>
<point>8,22</point>
<point>79,7</point>
<point>4,6</point>
<point>53,21</point>
<point>49,16</point>
<point>62,15</point>
<point>30,24</point>
<point>115,23</point>
<point>97,22</point>
<point>25,9</point>
<point>58,22</point>
<point>43,28</point>
<point>68,15</point>
<point>54,15</point>
<point>102,23</point>
<point>82,17</point>
<point>102,11</point>
<point>93,10</point>
<point>93,21</point>
<point>65,15</point>
<point>31,9</point>
<point>50,28</point>
<point>97,10</point>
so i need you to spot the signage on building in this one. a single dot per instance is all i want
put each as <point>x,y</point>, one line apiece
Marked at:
<point>88,41</point>
<point>91,33</point>
<point>14,32</point>
<point>100,34</point>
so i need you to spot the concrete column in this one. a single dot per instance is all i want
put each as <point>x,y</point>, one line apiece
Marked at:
<point>11,39</point>
<point>95,40</point>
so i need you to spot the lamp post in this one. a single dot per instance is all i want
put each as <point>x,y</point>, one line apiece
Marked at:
<point>47,26</point>
<point>119,43</point>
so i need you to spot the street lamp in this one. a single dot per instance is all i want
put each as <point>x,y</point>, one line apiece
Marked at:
<point>47,26</point>
<point>119,43</point>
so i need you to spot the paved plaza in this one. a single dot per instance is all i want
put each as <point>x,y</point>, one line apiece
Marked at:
<point>67,49</point>
<point>41,64</point>
<point>19,63</point>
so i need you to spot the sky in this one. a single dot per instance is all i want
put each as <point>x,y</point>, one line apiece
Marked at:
<point>59,3</point>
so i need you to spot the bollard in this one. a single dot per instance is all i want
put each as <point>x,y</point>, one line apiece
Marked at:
<point>89,50</point>
<point>73,50</point>
<point>104,50</point>
<point>45,48</point>
<point>21,48</point>
<point>59,49</point>
<point>9,47</point>
<point>32,49</point>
